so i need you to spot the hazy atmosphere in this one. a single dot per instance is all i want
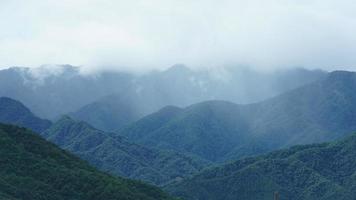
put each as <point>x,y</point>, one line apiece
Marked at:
<point>183,99</point>
<point>140,35</point>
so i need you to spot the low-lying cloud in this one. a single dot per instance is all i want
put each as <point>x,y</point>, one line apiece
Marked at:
<point>143,34</point>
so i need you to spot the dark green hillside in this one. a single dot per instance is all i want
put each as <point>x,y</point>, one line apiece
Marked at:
<point>323,171</point>
<point>120,157</point>
<point>14,112</point>
<point>218,131</point>
<point>34,169</point>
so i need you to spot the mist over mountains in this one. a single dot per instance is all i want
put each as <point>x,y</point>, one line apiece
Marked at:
<point>50,91</point>
<point>180,128</point>
<point>177,100</point>
<point>221,130</point>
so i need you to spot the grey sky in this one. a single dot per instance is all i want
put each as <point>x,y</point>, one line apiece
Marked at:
<point>145,34</point>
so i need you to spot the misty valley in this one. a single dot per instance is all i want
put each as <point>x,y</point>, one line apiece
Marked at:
<point>180,133</point>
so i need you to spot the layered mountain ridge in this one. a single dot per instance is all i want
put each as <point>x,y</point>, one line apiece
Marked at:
<point>116,155</point>
<point>107,151</point>
<point>218,130</point>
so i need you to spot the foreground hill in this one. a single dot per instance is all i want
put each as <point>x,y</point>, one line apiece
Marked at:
<point>116,155</point>
<point>218,131</point>
<point>14,112</point>
<point>32,168</point>
<point>321,171</point>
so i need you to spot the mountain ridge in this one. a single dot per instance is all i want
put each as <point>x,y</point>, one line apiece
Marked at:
<point>316,171</point>
<point>181,86</point>
<point>105,150</point>
<point>118,156</point>
<point>218,130</point>
<point>14,112</point>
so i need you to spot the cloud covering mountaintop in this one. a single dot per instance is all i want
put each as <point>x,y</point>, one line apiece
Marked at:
<point>140,35</point>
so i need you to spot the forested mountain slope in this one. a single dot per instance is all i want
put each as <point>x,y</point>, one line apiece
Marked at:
<point>320,171</point>
<point>32,168</point>
<point>116,155</point>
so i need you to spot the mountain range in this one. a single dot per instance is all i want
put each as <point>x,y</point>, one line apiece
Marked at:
<point>219,131</point>
<point>151,128</point>
<point>105,150</point>
<point>213,131</point>
<point>109,100</point>
<point>181,86</point>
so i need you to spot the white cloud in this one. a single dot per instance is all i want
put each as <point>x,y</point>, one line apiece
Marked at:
<point>142,34</point>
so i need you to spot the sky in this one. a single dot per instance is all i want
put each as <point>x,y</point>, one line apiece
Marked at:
<point>155,34</point>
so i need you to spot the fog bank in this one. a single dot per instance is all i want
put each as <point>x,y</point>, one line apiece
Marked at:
<point>140,35</point>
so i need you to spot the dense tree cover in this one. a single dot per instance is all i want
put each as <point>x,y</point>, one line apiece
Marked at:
<point>32,168</point>
<point>322,171</point>
<point>220,131</point>
<point>14,112</point>
<point>116,155</point>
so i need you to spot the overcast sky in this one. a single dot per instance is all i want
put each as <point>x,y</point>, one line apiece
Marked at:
<point>159,33</point>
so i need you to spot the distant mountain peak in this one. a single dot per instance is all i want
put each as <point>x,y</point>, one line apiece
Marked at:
<point>7,103</point>
<point>341,80</point>
<point>170,108</point>
<point>341,75</point>
<point>14,112</point>
<point>9,100</point>
<point>178,68</point>
<point>66,120</point>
